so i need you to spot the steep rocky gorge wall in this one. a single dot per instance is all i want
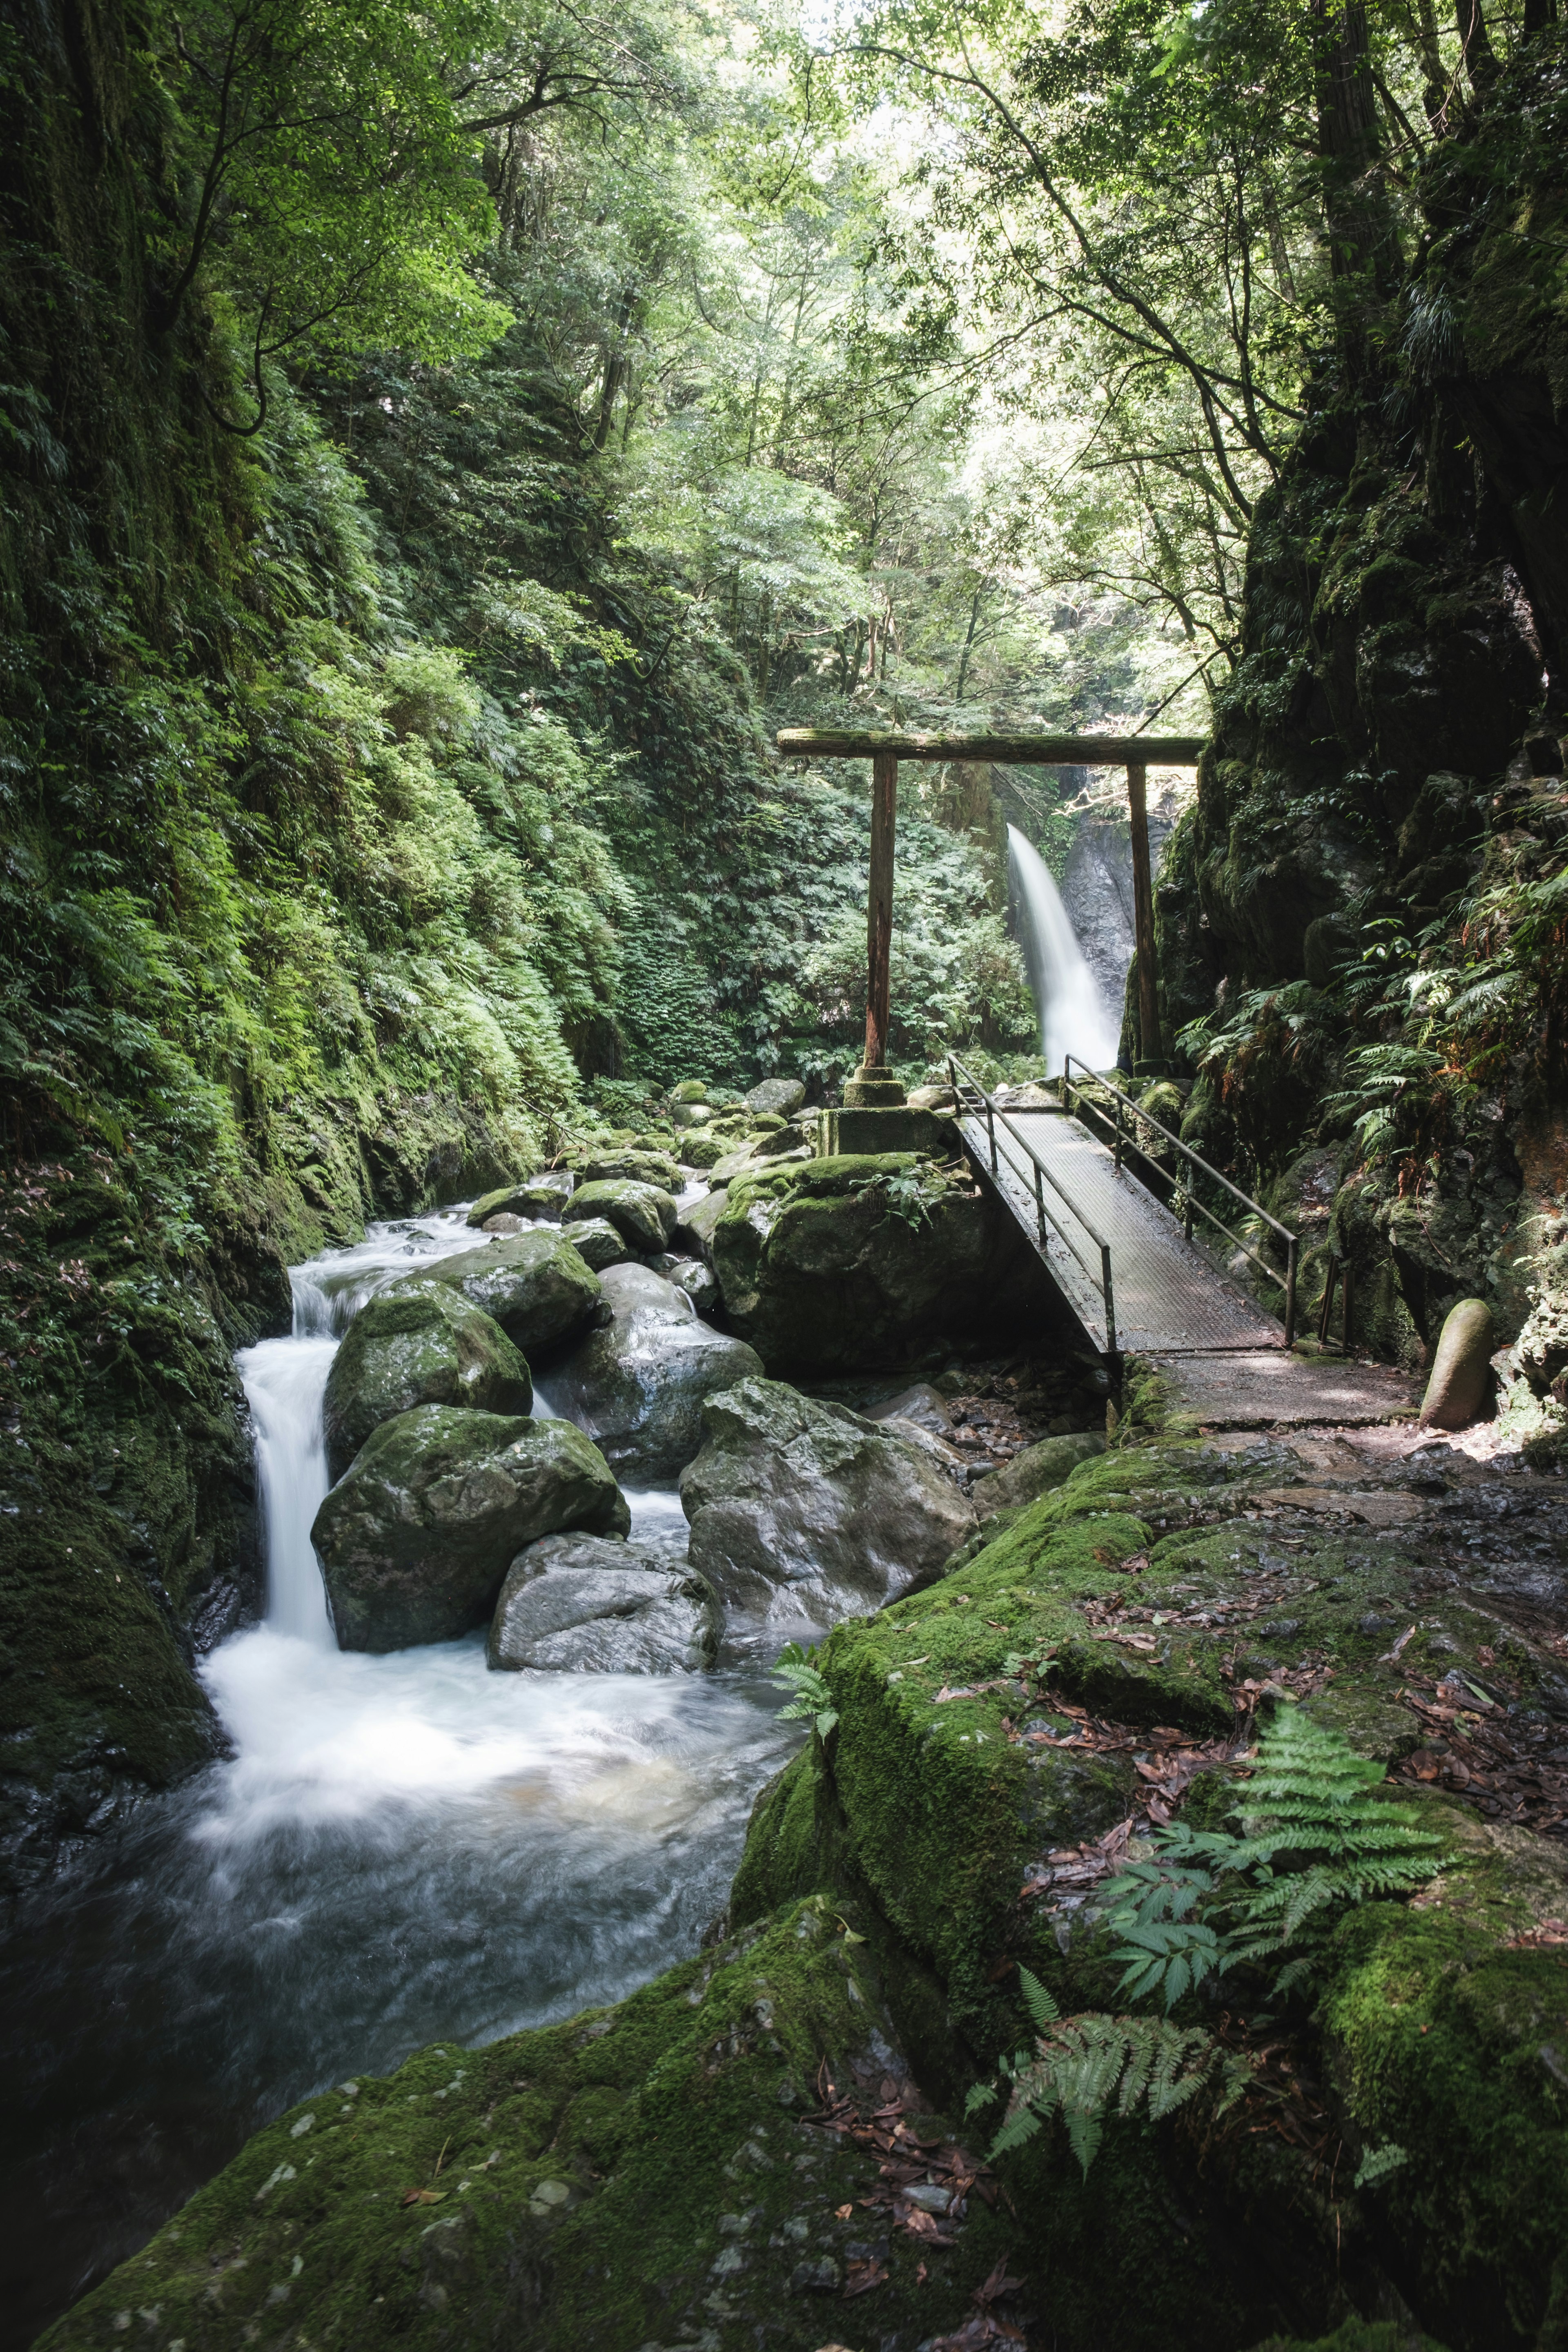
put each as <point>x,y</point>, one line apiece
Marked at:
<point>1382,798</point>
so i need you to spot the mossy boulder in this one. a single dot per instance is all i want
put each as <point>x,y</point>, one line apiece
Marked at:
<point>638,1385</point>
<point>422,1344</point>
<point>1033,1472</point>
<point>777,1097</point>
<point>636,2175</point>
<point>599,1246</point>
<point>801,1508</point>
<point>856,1261</point>
<point>696,1228</point>
<point>639,1163</point>
<point>643,1215</point>
<point>536,1286</point>
<point>416,1540</point>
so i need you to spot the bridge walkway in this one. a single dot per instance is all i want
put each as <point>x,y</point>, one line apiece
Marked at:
<point>1122,1260</point>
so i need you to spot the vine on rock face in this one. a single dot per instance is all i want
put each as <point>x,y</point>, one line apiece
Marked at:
<point>1314,1838</point>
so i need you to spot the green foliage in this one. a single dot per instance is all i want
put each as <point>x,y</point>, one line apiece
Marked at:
<point>1083,2066</point>
<point>1314,1838</point>
<point>795,1669</point>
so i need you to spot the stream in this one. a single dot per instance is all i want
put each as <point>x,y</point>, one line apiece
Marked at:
<point>401,1850</point>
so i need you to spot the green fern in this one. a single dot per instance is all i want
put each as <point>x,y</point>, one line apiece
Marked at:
<point>1309,1806</point>
<point>796,1671</point>
<point>1316,1836</point>
<point>1084,2064</point>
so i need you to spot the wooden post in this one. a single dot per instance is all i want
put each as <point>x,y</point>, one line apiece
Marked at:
<point>1148,1037</point>
<point>880,904</point>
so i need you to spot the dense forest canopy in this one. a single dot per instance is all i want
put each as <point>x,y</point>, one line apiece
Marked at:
<point>445,442</point>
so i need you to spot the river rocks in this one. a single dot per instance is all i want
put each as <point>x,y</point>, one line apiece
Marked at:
<point>803,1510</point>
<point>643,1215</point>
<point>694,1232</point>
<point>639,1163</point>
<point>857,1261</point>
<point>691,1275</point>
<point>507,1199</point>
<point>415,1540</point>
<point>537,1287</point>
<point>1461,1384</point>
<point>638,1386</point>
<point>779,1097</point>
<point>689,1114</point>
<point>599,1244</point>
<point>1033,1472</point>
<point>704,1152</point>
<point>690,1090</point>
<point>921,1404</point>
<point>420,1343</point>
<point>586,1604</point>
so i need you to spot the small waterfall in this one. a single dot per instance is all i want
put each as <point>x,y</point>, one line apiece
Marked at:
<point>285,1379</point>
<point>1074,1016</point>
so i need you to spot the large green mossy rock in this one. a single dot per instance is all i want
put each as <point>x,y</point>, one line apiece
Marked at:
<point>643,1215</point>
<point>639,2176</point>
<point>831,1265</point>
<point>1033,1472</point>
<point>422,1344</point>
<point>1164,1584</point>
<point>415,1541</point>
<point>535,1286</point>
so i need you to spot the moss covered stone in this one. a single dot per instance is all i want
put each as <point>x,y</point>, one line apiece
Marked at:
<point>857,1260</point>
<point>417,1345</point>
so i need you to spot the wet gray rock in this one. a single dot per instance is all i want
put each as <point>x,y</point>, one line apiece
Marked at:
<point>421,1343</point>
<point>921,1404</point>
<point>537,1286</point>
<point>506,1200</point>
<point>415,1539</point>
<point>694,1232</point>
<point>802,1508</point>
<point>1033,1472</point>
<point>643,1215</point>
<point>587,1604</point>
<point>638,1386</point>
<point>779,1097</point>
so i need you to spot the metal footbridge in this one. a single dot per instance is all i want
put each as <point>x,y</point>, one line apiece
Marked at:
<point>1124,1262</point>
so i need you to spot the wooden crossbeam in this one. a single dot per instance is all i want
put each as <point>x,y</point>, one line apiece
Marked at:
<point>885,745</point>
<point>1014,751</point>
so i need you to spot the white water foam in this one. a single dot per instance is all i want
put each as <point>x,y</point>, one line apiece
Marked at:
<point>1074,1016</point>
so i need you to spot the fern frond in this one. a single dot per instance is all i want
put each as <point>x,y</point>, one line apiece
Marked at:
<point>1086,2064</point>
<point>1036,1999</point>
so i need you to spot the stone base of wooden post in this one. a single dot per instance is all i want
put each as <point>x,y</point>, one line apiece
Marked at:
<point>873,1088</point>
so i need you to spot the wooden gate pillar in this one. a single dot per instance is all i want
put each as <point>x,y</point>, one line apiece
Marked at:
<point>872,1085</point>
<point>1152,1058</point>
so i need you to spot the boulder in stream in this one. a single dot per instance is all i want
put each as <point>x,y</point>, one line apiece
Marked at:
<point>802,1508</point>
<point>635,1163</point>
<point>599,1244</point>
<point>638,1386</point>
<point>536,1286</point>
<point>415,1538</point>
<point>779,1097</point>
<point>419,1343</point>
<point>586,1604</point>
<point>643,1215</point>
<point>860,1259</point>
<point>1034,1472</point>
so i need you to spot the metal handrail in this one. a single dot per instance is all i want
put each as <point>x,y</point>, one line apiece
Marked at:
<point>965,1081</point>
<point>1190,1201</point>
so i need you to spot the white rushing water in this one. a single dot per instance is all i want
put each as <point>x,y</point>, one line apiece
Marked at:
<point>1074,1016</point>
<point>400,1850</point>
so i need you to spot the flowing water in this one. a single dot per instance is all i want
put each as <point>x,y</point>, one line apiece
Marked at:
<point>401,1850</point>
<point>1074,1016</point>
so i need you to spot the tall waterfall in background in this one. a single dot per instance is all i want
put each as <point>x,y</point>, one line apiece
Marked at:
<point>1074,1016</point>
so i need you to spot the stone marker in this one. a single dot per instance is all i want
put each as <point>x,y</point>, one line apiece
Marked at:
<point>1460,1385</point>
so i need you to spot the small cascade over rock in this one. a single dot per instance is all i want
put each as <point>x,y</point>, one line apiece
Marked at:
<point>1074,1016</point>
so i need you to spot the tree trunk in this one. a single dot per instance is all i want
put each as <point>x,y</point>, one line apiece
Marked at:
<point>1361,242</point>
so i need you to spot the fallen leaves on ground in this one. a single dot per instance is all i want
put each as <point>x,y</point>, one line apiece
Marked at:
<point>1509,1770</point>
<point>988,2326</point>
<point>423,2196</point>
<point>926,2180</point>
<point>1164,1760</point>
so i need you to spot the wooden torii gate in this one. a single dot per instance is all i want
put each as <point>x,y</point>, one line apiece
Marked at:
<point>885,747</point>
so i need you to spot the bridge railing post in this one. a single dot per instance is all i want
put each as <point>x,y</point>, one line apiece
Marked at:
<point>1109,1301</point>
<point>1039,1205</point>
<point>1187,1209</point>
<point>991,1130</point>
<point>1291,1251</point>
<point>1116,1107</point>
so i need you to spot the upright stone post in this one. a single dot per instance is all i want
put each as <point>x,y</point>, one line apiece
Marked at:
<point>873,1087</point>
<point>1152,1061</point>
